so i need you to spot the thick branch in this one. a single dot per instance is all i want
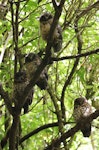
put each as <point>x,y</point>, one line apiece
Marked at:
<point>14,132</point>
<point>54,4</point>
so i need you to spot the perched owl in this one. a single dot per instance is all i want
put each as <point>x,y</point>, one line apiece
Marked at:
<point>32,61</point>
<point>82,109</point>
<point>46,20</point>
<point>20,82</point>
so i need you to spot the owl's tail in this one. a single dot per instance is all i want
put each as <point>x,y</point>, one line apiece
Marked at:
<point>86,130</point>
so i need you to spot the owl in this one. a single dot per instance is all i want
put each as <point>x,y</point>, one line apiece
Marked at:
<point>46,20</point>
<point>20,82</point>
<point>82,109</point>
<point>32,61</point>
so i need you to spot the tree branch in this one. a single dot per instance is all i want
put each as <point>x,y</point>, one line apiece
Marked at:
<point>39,129</point>
<point>76,56</point>
<point>58,112</point>
<point>55,5</point>
<point>13,132</point>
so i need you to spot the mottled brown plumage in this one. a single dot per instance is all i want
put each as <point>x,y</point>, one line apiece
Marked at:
<point>82,109</point>
<point>20,82</point>
<point>32,61</point>
<point>46,20</point>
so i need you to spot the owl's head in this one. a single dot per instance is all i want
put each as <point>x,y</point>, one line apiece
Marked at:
<point>79,101</point>
<point>30,57</point>
<point>45,17</point>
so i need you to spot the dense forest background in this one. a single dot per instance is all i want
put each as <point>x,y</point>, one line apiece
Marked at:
<point>72,72</point>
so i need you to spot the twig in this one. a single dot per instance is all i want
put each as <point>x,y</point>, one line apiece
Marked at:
<point>68,81</point>
<point>89,8</point>
<point>76,56</point>
<point>28,42</point>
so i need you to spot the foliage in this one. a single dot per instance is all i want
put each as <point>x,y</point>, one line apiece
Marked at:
<point>71,74</point>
